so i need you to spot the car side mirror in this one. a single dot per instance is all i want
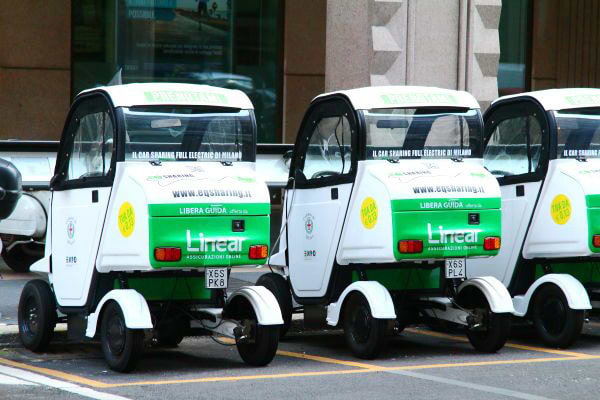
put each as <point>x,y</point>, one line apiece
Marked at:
<point>10,188</point>
<point>287,158</point>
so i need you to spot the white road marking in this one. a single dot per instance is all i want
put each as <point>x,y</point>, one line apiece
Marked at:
<point>474,386</point>
<point>9,380</point>
<point>61,385</point>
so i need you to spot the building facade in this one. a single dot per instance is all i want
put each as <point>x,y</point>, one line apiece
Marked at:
<point>284,52</point>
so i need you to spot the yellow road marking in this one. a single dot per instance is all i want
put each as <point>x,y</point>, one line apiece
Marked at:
<point>328,360</point>
<point>358,367</point>
<point>508,344</point>
<point>55,373</point>
<point>242,377</point>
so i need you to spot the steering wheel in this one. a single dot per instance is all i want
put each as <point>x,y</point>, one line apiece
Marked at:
<point>91,174</point>
<point>501,172</point>
<point>323,174</point>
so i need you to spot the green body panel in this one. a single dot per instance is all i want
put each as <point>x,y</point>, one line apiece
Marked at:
<point>456,238</point>
<point>208,241</point>
<point>586,272</point>
<point>404,278</point>
<point>167,288</point>
<point>593,216</point>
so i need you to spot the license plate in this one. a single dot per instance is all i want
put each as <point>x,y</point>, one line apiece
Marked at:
<point>456,268</point>
<point>215,278</point>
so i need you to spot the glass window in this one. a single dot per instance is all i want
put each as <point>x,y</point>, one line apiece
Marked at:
<point>329,150</point>
<point>578,133</point>
<point>92,141</point>
<point>514,147</point>
<point>234,44</point>
<point>422,133</point>
<point>514,37</point>
<point>183,133</point>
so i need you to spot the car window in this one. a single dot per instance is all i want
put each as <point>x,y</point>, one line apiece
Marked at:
<point>329,148</point>
<point>514,147</point>
<point>90,140</point>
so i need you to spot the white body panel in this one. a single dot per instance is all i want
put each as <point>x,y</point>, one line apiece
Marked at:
<point>546,238</point>
<point>162,93</point>
<point>156,185</point>
<point>367,98</point>
<point>380,301</point>
<point>384,181</point>
<point>561,99</point>
<point>314,229</point>
<point>516,213</point>
<point>76,230</point>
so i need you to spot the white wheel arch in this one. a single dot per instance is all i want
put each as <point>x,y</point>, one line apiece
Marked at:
<point>576,295</point>
<point>494,291</point>
<point>134,306</point>
<point>263,302</point>
<point>379,298</point>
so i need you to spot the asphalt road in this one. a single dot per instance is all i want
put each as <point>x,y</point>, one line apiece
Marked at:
<point>417,364</point>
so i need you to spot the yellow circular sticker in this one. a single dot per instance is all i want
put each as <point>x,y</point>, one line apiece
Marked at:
<point>560,209</point>
<point>126,219</point>
<point>368,213</point>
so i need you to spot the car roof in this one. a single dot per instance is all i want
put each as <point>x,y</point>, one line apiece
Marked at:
<point>561,99</point>
<point>161,93</point>
<point>367,98</point>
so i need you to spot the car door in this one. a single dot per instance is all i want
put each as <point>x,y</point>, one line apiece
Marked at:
<point>516,152</point>
<point>323,169</point>
<point>80,192</point>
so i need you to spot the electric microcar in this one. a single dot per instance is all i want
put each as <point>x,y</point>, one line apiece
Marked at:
<point>544,148</point>
<point>154,199</point>
<point>387,203</point>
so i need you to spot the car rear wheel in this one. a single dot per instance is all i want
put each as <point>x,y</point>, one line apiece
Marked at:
<point>122,347</point>
<point>556,323</point>
<point>365,335</point>
<point>259,344</point>
<point>281,290</point>
<point>490,330</point>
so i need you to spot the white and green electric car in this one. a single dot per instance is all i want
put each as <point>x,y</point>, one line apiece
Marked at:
<point>544,148</point>
<point>387,203</point>
<point>154,198</point>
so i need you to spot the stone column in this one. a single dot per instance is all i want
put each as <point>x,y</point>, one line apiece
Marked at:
<point>35,64</point>
<point>447,43</point>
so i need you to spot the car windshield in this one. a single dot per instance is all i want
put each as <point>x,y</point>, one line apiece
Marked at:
<point>399,133</point>
<point>189,134</point>
<point>578,132</point>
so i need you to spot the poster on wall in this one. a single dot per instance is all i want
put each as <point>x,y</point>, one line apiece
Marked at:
<point>173,39</point>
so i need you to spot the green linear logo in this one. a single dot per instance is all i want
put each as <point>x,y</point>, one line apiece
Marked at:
<point>181,97</point>
<point>418,98</point>
<point>452,235</point>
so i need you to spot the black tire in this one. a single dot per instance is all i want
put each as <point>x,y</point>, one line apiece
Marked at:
<point>365,335</point>
<point>260,350</point>
<point>496,327</point>
<point>122,347</point>
<point>556,323</point>
<point>19,259</point>
<point>281,290</point>
<point>37,315</point>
